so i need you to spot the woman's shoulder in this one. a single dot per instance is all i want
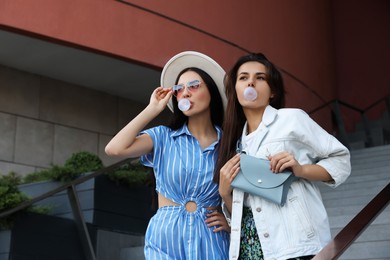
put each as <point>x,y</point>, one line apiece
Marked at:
<point>158,130</point>
<point>292,112</point>
<point>298,119</point>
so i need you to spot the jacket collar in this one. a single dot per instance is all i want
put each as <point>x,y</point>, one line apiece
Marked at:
<point>269,117</point>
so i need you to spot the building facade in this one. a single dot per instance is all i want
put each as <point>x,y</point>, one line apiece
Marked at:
<point>72,73</point>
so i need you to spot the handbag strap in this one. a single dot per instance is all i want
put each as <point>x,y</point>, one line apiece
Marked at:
<point>239,146</point>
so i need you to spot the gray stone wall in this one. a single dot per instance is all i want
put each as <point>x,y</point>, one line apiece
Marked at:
<point>44,121</point>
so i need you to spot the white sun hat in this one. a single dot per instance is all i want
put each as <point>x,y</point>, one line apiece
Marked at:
<point>188,59</point>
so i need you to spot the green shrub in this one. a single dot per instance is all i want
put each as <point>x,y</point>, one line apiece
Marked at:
<point>9,193</point>
<point>83,162</point>
<point>43,175</point>
<point>78,163</point>
<point>132,174</point>
<point>63,174</point>
<point>10,197</point>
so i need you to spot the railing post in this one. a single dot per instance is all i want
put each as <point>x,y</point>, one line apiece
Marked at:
<point>80,222</point>
<point>367,130</point>
<point>340,123</point>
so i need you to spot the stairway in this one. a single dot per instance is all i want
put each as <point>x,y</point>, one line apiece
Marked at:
<point>376,133</point>
<point>112,245</point>
<point>370,174</point>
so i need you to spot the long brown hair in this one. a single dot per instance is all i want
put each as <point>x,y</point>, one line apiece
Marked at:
<point>216,105</point>
<point>234,116</point>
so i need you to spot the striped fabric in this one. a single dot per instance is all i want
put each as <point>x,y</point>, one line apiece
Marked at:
<point>183,173</point>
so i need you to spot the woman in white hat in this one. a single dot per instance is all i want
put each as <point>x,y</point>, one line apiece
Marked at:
<point>188,223</point>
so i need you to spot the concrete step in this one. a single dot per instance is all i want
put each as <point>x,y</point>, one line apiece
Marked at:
<point>339,222</point>
<point>381,154</point>
<point>368,169</point>
<point>374,232</point>
<point>367,251</point>
<point>370,174</point>
<point>366,176</point>
<point>378,155</point>
<point>379,131</point>
<point>357,135</point>
<point>370,150</point>
<point>376,123</point>
<point>354,145</point>
<point>355,189</point>
<point>109,245</point>
<point>375,157</point>
<point>133,253</point>
<point>350,201</point>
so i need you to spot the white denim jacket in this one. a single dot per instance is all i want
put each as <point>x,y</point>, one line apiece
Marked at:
<point>301,226</point>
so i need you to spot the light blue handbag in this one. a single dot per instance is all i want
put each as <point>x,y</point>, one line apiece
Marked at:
<point>256,178</point>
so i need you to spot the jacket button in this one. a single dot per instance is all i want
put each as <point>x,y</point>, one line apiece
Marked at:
<point>266,235</point>
<point>258,209</point>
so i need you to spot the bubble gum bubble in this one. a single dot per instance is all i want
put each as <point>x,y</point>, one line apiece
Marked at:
<point>184,104</point>
<point>250,94</point>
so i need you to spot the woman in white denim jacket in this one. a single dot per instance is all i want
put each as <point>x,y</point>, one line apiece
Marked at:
<point>289,139</point>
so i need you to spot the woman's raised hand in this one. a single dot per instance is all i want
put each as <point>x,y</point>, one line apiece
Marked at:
<point>160,98</point>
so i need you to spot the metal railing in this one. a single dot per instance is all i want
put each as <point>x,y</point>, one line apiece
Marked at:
<point>70,187</point>
<point>355,227</point>
<point>335,106</point>
<point>336,247</point>
<point>333,250</point>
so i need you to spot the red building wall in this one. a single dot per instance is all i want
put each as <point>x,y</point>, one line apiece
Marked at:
<point>362,41</point>
<point>298,36</point>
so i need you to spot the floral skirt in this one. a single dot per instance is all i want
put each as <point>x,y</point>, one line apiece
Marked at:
<point>250,247</point>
